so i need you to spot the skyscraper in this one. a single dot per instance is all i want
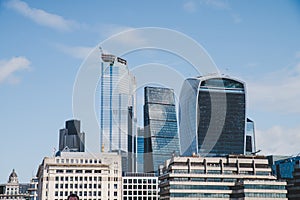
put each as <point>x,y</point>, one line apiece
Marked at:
<point>70,138</point>
<point>212,116</point>
<point>160,127</point>
<point>117,109</point>
<point>250,137</point>
<point>140,150</point>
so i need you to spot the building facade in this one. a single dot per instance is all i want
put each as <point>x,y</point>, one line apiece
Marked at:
<point>288,169</point>
<point>212,116</point>
<point>140,150</point>
<point>232,178</point>
<point>117,109</point>
<point>71,138</point>
<point>294,183</point>
<point>140,186</point>
<point>250,147</point>
<point>90,176</point>
<point>160,127</point>
<point>14,190</point>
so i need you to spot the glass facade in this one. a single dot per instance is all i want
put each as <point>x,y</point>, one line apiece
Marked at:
<point>70,138</point>
<point>250,137</point>
<point>212,116</point>
<point>140,150</point>
<point>160,126</point>
<point>117,110</point>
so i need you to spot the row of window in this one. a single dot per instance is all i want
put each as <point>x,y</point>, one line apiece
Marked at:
<point>80,186</point>
<point>84,178</point>
<point>78,161</point>
<point>148,193</point>
<point>83,194</point>
<point>139,187</point>
<point>79,171</point>
<point>140,181</point>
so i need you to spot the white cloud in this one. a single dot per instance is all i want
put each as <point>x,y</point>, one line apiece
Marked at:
<point>41,17</point>
<point>9,67</point>
<point>190,6</point>
<point>276,92</point>
<point>279,140</point>
<point>297,55</point>
<point>80,52</point>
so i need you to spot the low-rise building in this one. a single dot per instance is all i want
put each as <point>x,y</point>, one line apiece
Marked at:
<point>140,186</point>
<point>14,190</point>
<point>90,176</point>
<point>236,177</point>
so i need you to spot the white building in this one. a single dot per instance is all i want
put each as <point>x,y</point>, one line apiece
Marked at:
<point>13,190</point>
<point>235,177</point>
<point>90,176</point>
<point>140,186</point>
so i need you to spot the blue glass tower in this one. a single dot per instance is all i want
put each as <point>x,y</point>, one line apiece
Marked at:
<point>160,127</point>
<point>117,109</point>
<point>212,120</point>
<point>140,150</point>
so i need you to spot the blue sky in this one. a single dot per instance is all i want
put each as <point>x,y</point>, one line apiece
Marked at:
<point>44,43</point>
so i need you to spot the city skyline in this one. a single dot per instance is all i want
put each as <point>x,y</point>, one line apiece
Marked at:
<point>43,45</point>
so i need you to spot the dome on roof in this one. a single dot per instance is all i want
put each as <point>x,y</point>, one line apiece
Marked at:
<point>13,177</point>
<point>13,174</point>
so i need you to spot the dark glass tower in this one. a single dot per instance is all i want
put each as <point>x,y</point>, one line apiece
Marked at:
<point>160,127</point>
<point>212,116</point>
<point>70,138</point>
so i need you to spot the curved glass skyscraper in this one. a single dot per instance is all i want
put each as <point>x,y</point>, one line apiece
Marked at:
<point>160,127</point>
<point>212,112</point>
<point>117,109</point>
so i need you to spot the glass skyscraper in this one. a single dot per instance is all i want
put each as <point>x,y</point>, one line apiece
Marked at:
<point>70,137</point>
<point>250,137</point>
<point>140,150</point>
<point>160,127</point>
<point>117,109</point>
<point>212,116</point>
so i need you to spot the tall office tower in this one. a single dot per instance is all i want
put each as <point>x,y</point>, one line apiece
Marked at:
<point>70,138</point>
<point>160,127</point>
<point>212,116</point>
<point>140,150</point>
<point>250,137</point>
<point>117,109</point>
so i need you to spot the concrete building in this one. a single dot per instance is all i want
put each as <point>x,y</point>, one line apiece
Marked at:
<point>14,190</point>
<point>90,176</point>
<point>140,186</point>
<point>235,177</point>
<point>33,189</point>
